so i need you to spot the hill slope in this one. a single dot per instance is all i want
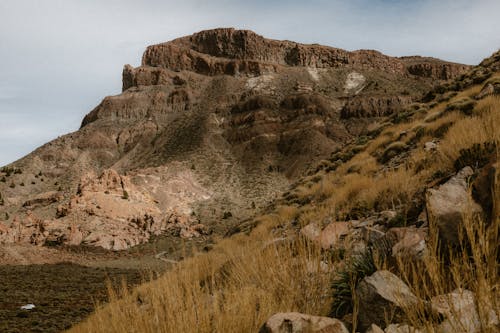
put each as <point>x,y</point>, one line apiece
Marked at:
<point>206,132</point>
<point>398,230</point>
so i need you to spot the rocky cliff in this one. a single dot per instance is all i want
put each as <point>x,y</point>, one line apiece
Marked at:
<point>207,131</point>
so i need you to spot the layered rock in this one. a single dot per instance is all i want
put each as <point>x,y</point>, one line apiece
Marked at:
<point>211,125</point>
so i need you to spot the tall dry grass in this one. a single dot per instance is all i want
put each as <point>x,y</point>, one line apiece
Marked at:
<point>247,278</point>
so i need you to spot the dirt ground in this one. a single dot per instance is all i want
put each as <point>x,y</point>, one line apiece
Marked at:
<point>65,284</point>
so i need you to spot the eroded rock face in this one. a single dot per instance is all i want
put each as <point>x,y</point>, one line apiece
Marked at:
<point>207,125</point>
<point>294,322</point>
<point>108,211</point>
<point>374,106</point>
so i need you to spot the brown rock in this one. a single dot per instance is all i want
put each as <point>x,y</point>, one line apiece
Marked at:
<point>382,293</point>
<point>332,233</point>
<point>294,322</point>
<point>408,241</point>
<point>460,309</point>
<point>448,204</point>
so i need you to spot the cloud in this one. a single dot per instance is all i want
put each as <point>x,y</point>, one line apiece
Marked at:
<point>59,58</point>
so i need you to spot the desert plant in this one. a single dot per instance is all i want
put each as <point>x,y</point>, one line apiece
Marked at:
<point>347,279</point>
<point>464,105</point>
<point>125,195</point>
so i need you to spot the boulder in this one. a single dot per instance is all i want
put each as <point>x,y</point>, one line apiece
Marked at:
<point>380,295</point>
<point>332,233</point>
<point>294,322</point>
<point>374,329</point>
<point>399,328</point>
<point>408,241</point>
<point>430,146</point>
<point>311,231</point>
<point>460,310</point>
<point>449,203</point>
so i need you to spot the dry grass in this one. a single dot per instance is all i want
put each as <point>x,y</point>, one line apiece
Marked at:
<point>247,278</point>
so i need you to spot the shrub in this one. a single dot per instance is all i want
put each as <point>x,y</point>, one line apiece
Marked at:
<point>125,195</point>
<point>12,185</point>
<point>476,156</point>
<point>465,105</point>
<point>360,266</point>
<point>392,150</point>
<point>226,215</point>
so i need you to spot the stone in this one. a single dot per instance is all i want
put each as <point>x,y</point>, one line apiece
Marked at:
<point>332,233</point>
<point>294,322</point>
<point>381,294</point>
<point>374,329</point>
<point>460,310</point>
<point>430,146</point>
<point>401,328</point>
<point>449,203</point>
<point>311,231</point>
<point>408,241</point>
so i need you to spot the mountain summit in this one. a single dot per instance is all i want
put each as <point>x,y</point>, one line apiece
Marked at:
<point>207,131</point>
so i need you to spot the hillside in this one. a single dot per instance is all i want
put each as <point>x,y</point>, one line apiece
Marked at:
<point>261,176</point>
<point>210,127</point>
<point>396,232</point>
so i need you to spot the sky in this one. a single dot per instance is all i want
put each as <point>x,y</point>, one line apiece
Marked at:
<point>59,58</point>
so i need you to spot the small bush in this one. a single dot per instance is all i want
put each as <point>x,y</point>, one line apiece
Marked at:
<point>125,195</point>
<point>476,156</point>
<point>392,150</point>
<point>227,215</point>
<point>361,266</point>
<point>12,185</point>
<point>465,105</point>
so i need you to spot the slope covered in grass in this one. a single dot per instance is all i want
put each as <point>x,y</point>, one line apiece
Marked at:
<point>272,268</point>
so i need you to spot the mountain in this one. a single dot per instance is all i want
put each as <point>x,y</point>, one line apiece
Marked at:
<point>396,232</point>
<point>207,131</point>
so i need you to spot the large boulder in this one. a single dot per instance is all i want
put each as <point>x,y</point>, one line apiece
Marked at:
<point>294,322</point>
<point>449,204</point>
<point>380,295</point>
<point>460,309</point>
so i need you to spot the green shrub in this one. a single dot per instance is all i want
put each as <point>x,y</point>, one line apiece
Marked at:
<point>357,269</point>
<point>125,195</point>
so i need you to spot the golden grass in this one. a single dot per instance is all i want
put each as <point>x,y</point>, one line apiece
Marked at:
<point>247,278</point>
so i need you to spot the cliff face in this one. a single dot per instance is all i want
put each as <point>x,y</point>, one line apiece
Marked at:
<point>230,51</point>
<point>208,130</point>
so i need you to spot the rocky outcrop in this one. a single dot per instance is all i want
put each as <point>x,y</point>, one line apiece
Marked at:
<point>302,323</point>
<point>380,294</point>
<point>433,68</point>
<point>374,106</point>
<point>449,204</point>
<point>231,51</point>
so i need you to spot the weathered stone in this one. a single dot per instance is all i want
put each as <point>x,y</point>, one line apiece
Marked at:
<point>380,295</point>
<point>374,329</point>
<point>294,322</point>
<point>449,204</point>
<point>400,328</point>
<point>332,233</point>
<point>461,311</point>
<point>311,231</point>
<point>408,241</point>
<point>430,146</point>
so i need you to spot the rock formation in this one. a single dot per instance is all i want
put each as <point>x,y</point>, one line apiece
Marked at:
<point>207,130</point>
